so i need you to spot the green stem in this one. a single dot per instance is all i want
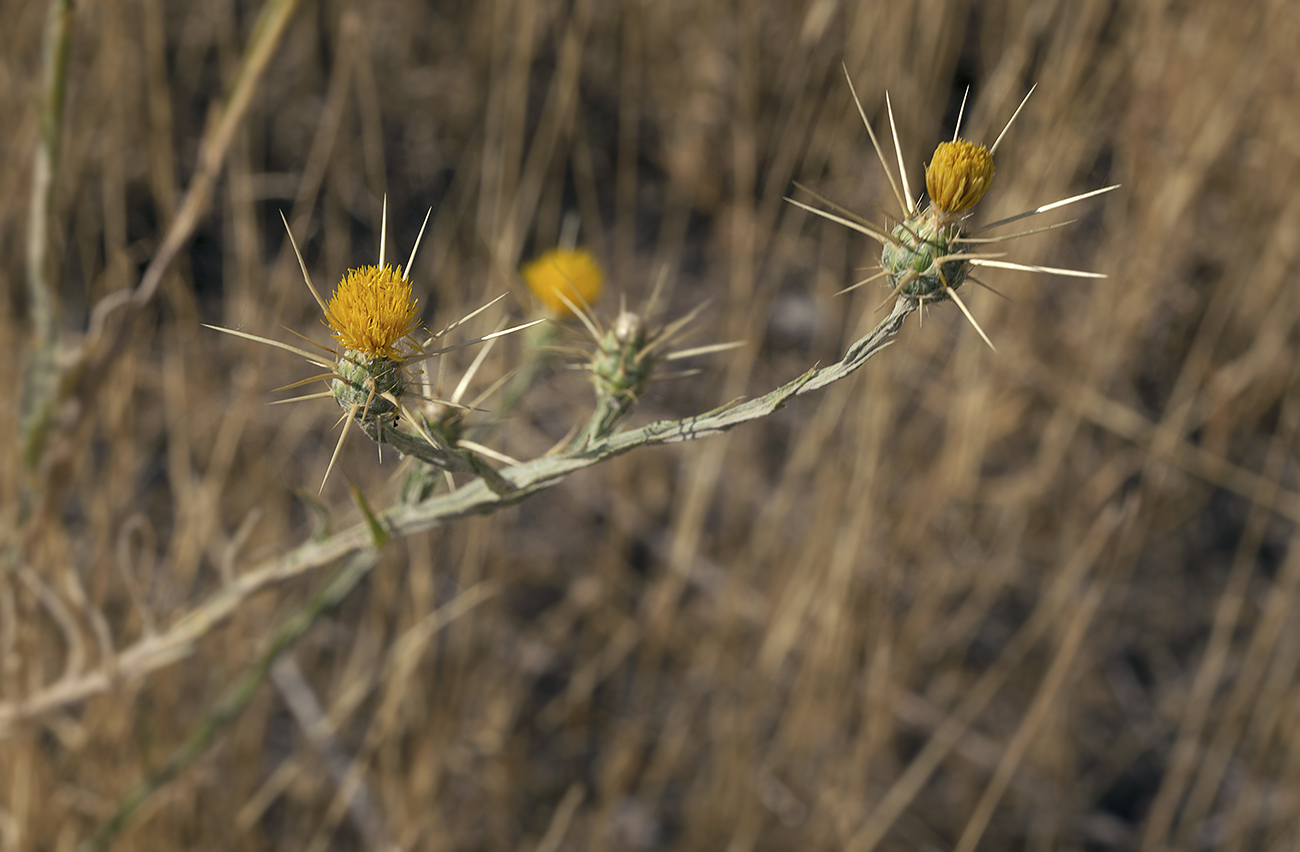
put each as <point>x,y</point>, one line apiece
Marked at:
<point>510,486</point>
<point>610,411</point>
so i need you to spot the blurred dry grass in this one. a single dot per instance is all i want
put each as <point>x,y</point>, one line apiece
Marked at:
<point>1036,599</point>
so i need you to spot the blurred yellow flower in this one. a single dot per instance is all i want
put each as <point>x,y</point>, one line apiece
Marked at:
<point>372,310</point>
<point>573,274</point>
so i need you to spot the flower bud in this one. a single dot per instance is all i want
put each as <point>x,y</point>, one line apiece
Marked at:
<point>363,381</point>
<point>620,367</point>
<point>959,174</point>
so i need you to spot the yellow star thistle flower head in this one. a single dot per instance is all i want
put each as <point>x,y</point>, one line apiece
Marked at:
<point>573,274</point>
<point>372,310</point>
<point>929,254</point>
<point>959,174</point>
<point>370,314</point>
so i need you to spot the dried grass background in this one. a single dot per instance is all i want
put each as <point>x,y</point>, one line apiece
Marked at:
<point>1037,599</point>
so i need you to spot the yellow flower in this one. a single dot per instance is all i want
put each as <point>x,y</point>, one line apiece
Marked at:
<point>372,310</point>
<point>573,274</point>
<point>958,175</point>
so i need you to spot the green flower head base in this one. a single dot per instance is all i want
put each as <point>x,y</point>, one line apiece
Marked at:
<point>923,258</point>
<point>368,383</point>
<point>621,365</point>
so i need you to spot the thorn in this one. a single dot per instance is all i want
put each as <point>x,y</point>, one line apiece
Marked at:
<point>1044,208</point>
<point>881,274</point>
<point>703,350</point>
<point>383,231</point>
<point>311,359</point>
<point>406,273</point>
<point>845,211</point>
<point>347,424</point>
<point>589,321</point>
<point>469,316</point>
<point>956,130</point>
<point>473,367</point>
<point>998,141</point>
<point>303,266</point>
<point>1025,267</point>
<point>975,280</point>
<point>902,169</point>
<point>861,229</point>
<point>1017,235</point>
<point>952,294</point>
<point>874,141</point>
<point>322,377</point>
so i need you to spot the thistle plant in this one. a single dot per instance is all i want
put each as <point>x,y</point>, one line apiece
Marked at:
<point>928,254</point>
<point>374,318</point>
<point>377,372</point>
<point>622,357</point>
<point>624,361</point>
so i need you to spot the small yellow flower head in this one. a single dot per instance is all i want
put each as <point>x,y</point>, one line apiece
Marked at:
<point>371,310</point>
<point>958,175</point>
<point>561,271</point>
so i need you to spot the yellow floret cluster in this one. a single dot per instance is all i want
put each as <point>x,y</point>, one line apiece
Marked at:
<point>958,175</point>
<point>372,310</point>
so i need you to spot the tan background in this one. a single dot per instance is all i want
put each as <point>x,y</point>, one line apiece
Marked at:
<point>1060,573</point>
